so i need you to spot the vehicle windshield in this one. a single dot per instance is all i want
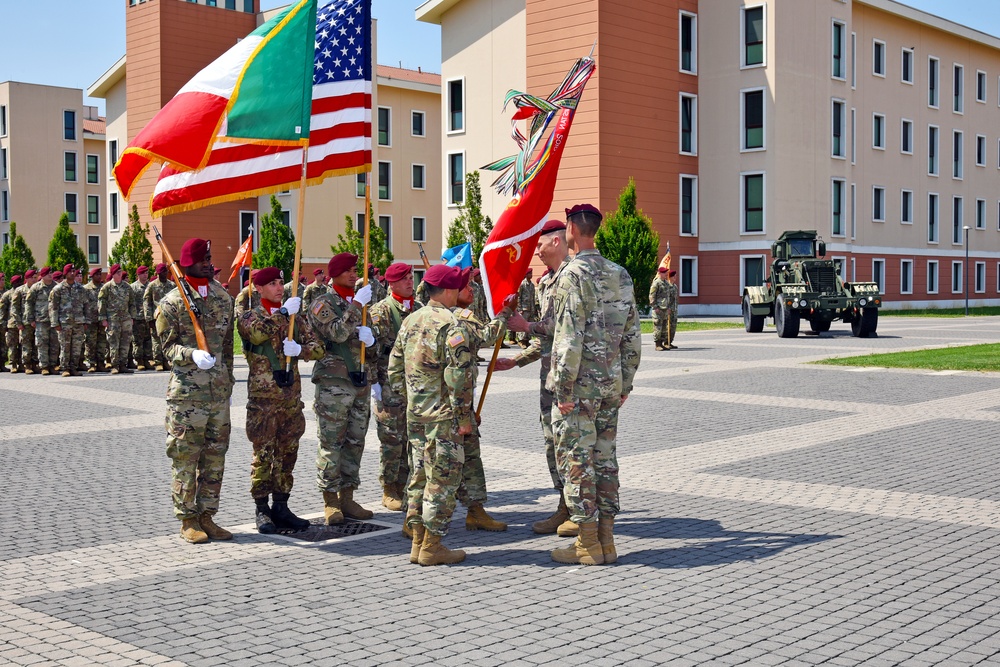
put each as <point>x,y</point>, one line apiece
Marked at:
<point>800,247</point>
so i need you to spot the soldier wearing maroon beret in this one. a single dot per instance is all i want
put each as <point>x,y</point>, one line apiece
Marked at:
<point>26,331</point>
<point>67,315</point>
<point>36,311</point>
<point>116,306</point>
<point>96,340</point>
<point>142,342</point>
<point>4,308</point>
<point>317,287</point>
<point>157,288</point>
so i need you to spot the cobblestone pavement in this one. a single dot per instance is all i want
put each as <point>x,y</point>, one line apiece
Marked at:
<point>774,512</point>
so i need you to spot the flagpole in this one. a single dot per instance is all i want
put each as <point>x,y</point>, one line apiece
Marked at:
<point>364,275</point>
<point>298,246</point>
<point>493,361</point>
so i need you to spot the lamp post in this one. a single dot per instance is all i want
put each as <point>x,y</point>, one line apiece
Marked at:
<point>966,228</point>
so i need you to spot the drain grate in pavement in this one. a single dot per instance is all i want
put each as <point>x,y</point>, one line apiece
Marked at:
<point>318,531</point>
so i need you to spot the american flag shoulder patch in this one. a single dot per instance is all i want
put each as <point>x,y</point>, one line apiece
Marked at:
<point>456,340</point>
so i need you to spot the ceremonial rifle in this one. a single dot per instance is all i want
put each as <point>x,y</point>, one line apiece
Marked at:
<point>423,257</point>
<point>184,288</point>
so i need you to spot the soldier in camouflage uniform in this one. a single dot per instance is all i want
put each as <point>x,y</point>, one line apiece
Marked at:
<point>527,305</point>
<point>554,253</point>
<point>142,341</point>
<point>287,292</point>
<point>596,346</point>
<point>390,407</point>
<point>314,289</point>
<point>432,364</point>
<point>420,293</point>
<point>117,311</point>
<point>97,340</point>
<point>342,407</point>
<point>274,413</point>
<point>479,297</point>
<point>29,355</point>
<point>3,326</point>
<point>13,337</point>
<point>663,299</point>
<point>67,304</point>
<point>36,311</point>
<point>247,299</point>
<point>198,395</point>
<point>155,291</point>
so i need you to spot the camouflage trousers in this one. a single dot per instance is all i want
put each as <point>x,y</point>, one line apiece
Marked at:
<point>14,346</point>
<point>343,411</point>
<point>197,441</point>
<point>436,458</point>
<point>71,346</point>
<point>545,401</point>
<point>394,466</point>
<point>142,342</point>
<point>661,318</point>
<point>29,354</point>
<point>47,344</point>
<point>119,340</point>
<point>274,427</point>
<point>97,345</point>
<point>585,452</point>
<point>158,357</point>
<point>3,346</point>
<point>472,490</point>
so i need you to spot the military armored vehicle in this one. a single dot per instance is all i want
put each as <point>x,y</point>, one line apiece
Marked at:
<point>804,286</point>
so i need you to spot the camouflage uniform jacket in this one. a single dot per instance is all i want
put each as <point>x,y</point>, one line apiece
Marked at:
<point>526,302</point>
<point>432,364</point>
<point>173,326</point>
<point>36,304</point>
<point>479,302</point>
<point>245,300</point>
<point>114,302</point>
<point>313,290</point>
<point>5,300</point>
<point>479,334</point>
<point>541,345</point>
<point>16,316</point>
<point>387,318</point>
<point>90,311</point>
<point>67,304</point>
<point>261,329</point>
<point>335,321</point>
<point>155,291</point>
<point>379,291</point>
<point>663,295</point>
<point>138,300</point>
<point>287,293</point>
<point>420,293</point>
<point>595,341</point>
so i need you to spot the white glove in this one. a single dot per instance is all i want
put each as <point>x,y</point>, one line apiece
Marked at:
<point>366,336</point>
<point>202,359</point>
<point>291,348</point>
<point>377,392</point>
<point>293,305</point>
<point>363,295</point>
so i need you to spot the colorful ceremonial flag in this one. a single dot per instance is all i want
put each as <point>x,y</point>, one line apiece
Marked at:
<point>460,256</point>
<point>236,130</point>
<point>665,262</point>
<point>244,258</point>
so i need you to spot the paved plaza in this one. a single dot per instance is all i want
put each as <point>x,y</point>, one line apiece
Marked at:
<point>773,512</point>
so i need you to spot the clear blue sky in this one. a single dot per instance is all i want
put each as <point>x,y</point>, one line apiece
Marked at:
<point>88,36</point>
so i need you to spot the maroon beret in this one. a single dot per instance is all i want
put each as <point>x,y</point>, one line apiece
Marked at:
<point>15,279</point>
<point>444,276</point>
<point>583,208</point>
<point>246,282</point>
<point>397,271</point>
<point>194,251</point>
<point>302,279</point>
<point>115,268</point>
<point>141,270</point>
<point>466,276</point>
<point>225,285</point>
<point>316,272</point>
<point>30,273</point>
<point>160,268</point>
<point>340,263</point>
<point>56,275</point>
<point>476,272</point>
<point>673,273</point>
<point>68,268</point>
<point>264,276</point>
<point>94,271</point>
<point>44,271</point>
<point>553,226</point>
<point>528,273</point>
<point>662,269</point>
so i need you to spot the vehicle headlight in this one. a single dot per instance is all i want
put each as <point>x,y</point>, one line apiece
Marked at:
<point>803,303</point>
<point>862,301</point>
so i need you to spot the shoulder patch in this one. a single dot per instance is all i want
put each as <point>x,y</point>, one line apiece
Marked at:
<point>317,306</point>
<point>466,314</point>
<point>375,318</point>
<point>456,340</point>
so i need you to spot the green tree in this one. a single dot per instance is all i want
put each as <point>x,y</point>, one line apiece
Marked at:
<point>353,241</point>
<point>627,238</point>
<point>63,248</point>
<point>277,243</point>
<point>133,248</point>
<point>16,257</point>
<point>470,225</point>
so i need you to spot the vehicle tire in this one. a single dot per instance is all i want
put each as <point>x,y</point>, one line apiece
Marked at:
<point>865,323</point>
<point>752,323</point>
<point>786,320</point>
<point>819,326</point>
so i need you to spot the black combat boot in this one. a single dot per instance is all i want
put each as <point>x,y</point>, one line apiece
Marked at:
<point>265,526</point>
<point>283,517</point>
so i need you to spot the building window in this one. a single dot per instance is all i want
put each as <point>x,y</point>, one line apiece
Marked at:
<point>932,276</point>
<point>906,207</point>
<point>456,105</point>
<point>456,179</point>
<point>419,230</point>
<point>360,187</point>
<point>69,158</point>
<point>854,210</point>
<point>248,226</point>
<point>959,89</point>
<point>980,214</point>
<point>956,220</point>
<point>359,219</point>
<point>418,176</point>
<point>384,177</point>
<point>878,274</point>
<point>71,206</point>
<point>4,206</point>
<point>956,154</point>
<point>878,131</point>
<point>906,137</point>
<point>248,7</point>
<point>981,86</point>
<point>93,166</point>
<point>418,276</point>
<point>112,156</point>
<point>753,271</point>
<point>689,124</point>
<point>689,205</point>
<point>840,265</point>
<point>3,163</point>
<point>689,276</point>
<point>933,71</point>
<point>753,36</point>
<point>878,58</point>
<point>854,136</point>
<point>878,204</point>
<point>113,211</point>
<point>385,224</point>
<point>956,277</point>
<point>932,151</point>
<point>3,120</point>
<point>69,125</point>
<point>94,250</point>
<point>417,124</point>
<point>980,277</point>
<point>837,148</point>
<point>837,197</point>
<point>932,218</point>
<point>839,44</point>
<point>384,121</point>
<point>689,43</point>
<point>752,200</point>
<point>231,4</point>
<point>93,210</point>
<point>753,119</point>
<point>906,276</point>
<point>980,150</point>
<point>906,75</point>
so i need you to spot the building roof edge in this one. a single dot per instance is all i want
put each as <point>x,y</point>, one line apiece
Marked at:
<point>432,10</point>
<point>103,84</point>
<point>933,21</point>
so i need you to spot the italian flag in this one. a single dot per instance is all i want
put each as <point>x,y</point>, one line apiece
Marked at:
<point>257,92</point>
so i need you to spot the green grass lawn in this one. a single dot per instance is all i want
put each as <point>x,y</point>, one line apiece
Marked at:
<point>965,358</point>
<point>941,312</point>
<point>647,326</point>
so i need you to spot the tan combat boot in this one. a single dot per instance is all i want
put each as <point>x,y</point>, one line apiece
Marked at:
<point>46,371</point>
<point>550,525</point>
<point>331,508</point>
<point>418,541</point>
<point>585,551</point>
<point>478,519</point>
<point>392,498</point>
<point>432,552</point>
<point>29,371</point>
<point>568,529</point>
<point>212,530</point>
<point>192,532</point>
<point>351,509</point>
<point>66,374</point>
<point>605,530</point>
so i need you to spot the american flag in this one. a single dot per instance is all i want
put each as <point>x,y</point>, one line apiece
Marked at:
<point>339,132</point>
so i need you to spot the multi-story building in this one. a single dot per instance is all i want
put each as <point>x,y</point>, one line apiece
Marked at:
<point>870,121</point>
<point>51,162</point>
